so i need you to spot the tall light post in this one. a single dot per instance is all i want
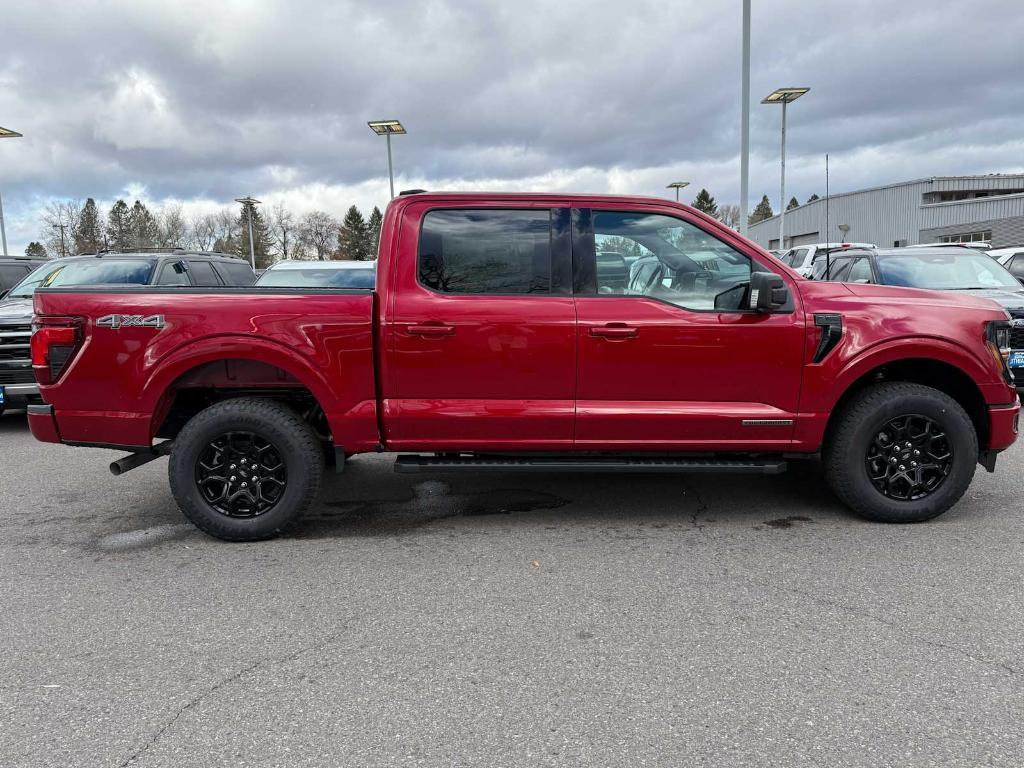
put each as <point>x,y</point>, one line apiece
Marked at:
<point>677,185</point>
<point>5,133</point>
<point>745,120</point>
<point>250,204</point>
<point>783,96</point>
<point>388,128</point>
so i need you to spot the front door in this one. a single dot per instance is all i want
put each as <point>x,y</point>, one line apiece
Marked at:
<point>481,340</point>
<point>670,355</point>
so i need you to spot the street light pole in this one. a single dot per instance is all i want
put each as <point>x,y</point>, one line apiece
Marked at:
<point>745,121</point>
<point>386,128</point>
<point>5,133</point>
<point>783,96</point>
<point>250,204</point>
<point>677,185</point>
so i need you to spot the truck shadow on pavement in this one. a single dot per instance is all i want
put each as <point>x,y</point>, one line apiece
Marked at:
<point>365,501</point>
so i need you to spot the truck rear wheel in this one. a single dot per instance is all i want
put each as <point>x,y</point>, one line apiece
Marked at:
<point>901,453</point>
<point>245,469</point>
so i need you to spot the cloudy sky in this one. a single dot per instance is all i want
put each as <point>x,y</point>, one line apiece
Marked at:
<point>201,102</point>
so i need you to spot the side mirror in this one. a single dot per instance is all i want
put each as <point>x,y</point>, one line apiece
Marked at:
<point>768,292</point>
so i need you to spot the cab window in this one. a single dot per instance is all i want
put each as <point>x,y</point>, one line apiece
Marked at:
<point>672,260</point>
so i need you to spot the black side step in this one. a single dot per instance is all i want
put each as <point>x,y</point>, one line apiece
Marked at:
<point>418,463</point>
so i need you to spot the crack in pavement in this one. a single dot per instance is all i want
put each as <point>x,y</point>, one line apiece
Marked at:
<point>223,683</point>
<point>702,507</point>
<point>893,625</point>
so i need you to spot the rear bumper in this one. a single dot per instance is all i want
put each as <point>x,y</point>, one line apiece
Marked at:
<point>1002,426</point>
<point>42,423</point>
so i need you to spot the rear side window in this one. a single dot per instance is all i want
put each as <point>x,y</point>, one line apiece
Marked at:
<point>10,274</point>
<point>1016,265</point>
<point>173,274</point>
<point>202,274</point>
<point>485,252</point>
<point>235,273</point>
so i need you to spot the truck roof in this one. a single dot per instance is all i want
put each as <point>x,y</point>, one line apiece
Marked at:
<point>569,197</point>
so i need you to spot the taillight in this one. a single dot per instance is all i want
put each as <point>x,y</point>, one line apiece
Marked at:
<point>54,342</point>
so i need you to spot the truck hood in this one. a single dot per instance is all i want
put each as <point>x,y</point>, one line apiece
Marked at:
<point>15,311</point>
<point>893,296</point>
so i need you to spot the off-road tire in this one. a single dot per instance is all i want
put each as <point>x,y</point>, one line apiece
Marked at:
<point>293,439</point>
<point>846,446</point>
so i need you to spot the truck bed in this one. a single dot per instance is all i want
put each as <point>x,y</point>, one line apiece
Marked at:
<point>164,341</point>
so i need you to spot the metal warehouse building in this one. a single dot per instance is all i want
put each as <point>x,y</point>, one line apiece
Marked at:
<point>940,209</point>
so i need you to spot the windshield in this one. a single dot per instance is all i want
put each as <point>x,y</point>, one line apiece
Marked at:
<point>91,272</point>
<point>945,271</point>
<point>313,277</point>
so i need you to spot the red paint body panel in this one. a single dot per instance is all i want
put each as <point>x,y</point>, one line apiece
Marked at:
<point>514,373</point>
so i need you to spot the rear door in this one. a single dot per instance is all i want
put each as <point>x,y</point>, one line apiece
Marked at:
<point>481,337</point>
<point>202,274</point>
<point>676,361</point>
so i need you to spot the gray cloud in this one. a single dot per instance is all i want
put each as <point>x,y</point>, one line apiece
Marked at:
<point>204,101</point>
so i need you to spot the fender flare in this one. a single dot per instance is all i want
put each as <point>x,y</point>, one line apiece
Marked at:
<point>213,349</point>
<point>928,348</point>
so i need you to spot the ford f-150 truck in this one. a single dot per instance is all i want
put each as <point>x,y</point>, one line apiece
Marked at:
<point>532,333</point>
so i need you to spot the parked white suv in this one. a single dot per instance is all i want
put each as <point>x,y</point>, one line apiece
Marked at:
<point>801,257</point>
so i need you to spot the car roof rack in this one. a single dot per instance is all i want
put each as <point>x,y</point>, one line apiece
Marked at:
<point>405,192</point>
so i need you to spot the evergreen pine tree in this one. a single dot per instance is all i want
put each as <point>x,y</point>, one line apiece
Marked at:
<point>261,237</point>
<point>354,237</point>
<point>119,227</point>
<point>88,234</point>
<point>374,224</point>
<point>705,203</point>
<point>793,203</point>
<point>812,198</point>
<point>762,211</point>
<point>144,227</point>
<point>35,250</point>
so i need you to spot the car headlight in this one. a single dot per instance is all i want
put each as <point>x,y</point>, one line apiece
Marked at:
<point>997,339</point>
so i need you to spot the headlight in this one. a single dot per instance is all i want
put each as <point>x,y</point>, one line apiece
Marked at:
<point>997,338</point>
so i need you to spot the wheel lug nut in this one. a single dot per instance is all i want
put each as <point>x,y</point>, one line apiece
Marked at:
<point>913,463</point>
<point>232,478</point>
<point>902,468</point>
<point>917,453</point>
<point>244,485</point>
<point>891,461</point>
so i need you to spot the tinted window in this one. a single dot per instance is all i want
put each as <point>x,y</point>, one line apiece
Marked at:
<point>796,258</point>
<point>678,262</point>
<point>202,274</point>
<point>860,272</point>
<point>839,269</point>
<point>486,252</point>
<point>86,272</point>
<point>10,274</point>
<point>235,273</point>
<point>173,273</point>
<point>1016,265</point>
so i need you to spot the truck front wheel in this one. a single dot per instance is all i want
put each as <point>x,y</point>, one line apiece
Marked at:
<point>901,453</point>
<point>245,469</point>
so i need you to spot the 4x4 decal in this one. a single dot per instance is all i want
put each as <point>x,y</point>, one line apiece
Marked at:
<point>130,321</point>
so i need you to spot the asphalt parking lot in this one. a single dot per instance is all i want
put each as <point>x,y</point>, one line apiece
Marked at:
<point>500,620</point>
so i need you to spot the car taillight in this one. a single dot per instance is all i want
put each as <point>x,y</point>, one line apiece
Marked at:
<point>54,342</point>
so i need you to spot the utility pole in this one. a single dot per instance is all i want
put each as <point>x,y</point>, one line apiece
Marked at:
<point>63,248</point>
<point>3,230</point>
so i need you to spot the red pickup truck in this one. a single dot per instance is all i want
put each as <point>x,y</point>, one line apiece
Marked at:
<point>532,333</point>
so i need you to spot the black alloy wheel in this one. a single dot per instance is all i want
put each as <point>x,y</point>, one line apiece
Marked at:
<point>909,457</point>
<point>241,474</point>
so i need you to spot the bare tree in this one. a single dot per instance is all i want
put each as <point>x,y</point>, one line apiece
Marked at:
<point>283,229</point>
<point>172,229</point>
<point>202,231</point>
<point>318,230</point>
<point>226,229</point>
<point>729,215</point>
<point>60,220</point>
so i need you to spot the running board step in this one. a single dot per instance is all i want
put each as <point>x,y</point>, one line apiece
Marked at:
<point>418,463</point>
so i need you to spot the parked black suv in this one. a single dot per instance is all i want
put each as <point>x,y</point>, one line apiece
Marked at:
<point>14,269</point>
<point>161,267</point>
